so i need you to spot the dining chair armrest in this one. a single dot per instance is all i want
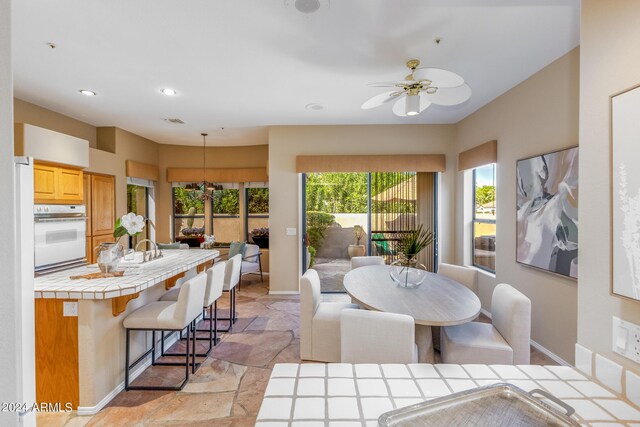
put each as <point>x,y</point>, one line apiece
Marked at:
<point>258,255</point>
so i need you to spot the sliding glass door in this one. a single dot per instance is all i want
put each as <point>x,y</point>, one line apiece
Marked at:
<point>355,214</point>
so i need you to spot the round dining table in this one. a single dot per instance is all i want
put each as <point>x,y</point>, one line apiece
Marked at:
<point>439,301</point>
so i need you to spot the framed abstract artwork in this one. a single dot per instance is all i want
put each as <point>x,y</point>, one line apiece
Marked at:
<point>547,212</point>
<point>625,194</point>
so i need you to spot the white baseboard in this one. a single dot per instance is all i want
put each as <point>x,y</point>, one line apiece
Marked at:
<point>559,360</point>
<point>92,410</point>
<point>284,292</point>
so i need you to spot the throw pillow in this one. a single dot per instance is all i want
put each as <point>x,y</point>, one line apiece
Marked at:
<point>237,248</point>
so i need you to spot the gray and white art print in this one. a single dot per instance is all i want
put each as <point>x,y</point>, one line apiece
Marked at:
<point>625,193</point>
<point>547,212</point>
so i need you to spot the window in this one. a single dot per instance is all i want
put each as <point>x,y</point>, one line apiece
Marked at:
<point>137,203</point>
<point>484,217</point>
<point>225,208</point>
<point>257,209</point>
<point>188,213</point>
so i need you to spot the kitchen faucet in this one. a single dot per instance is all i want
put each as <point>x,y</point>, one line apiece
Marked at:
<point>156,253</point>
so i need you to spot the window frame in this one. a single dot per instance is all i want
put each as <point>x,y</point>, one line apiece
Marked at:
<point>247,215</point>
<point>475,220</point>
<point>182,216</point>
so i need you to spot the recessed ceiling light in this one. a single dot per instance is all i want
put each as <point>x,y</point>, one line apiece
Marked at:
<point>307,6</point>
<point>87,92</point>
<point>314,106</point>
<point>167,91</point>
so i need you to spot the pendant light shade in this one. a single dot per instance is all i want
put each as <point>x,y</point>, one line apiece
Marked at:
<point>207,188</point>
<point>413,105</point>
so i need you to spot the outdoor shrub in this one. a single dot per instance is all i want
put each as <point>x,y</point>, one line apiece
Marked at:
<point>317,223</point>
<point>312,256</point>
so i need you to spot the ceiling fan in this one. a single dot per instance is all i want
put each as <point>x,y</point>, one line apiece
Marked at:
<point>421,88</point>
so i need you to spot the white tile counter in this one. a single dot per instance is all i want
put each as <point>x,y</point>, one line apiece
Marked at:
<point>135,279</point>
<point>348,395</point>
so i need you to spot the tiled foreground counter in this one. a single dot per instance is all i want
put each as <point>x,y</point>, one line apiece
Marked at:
<point>348,395</point>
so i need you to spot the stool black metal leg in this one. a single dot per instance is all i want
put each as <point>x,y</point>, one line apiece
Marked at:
<point>126,361</point>
<point>153,346</point>
<point>193,350</point>
<point>215,322</point>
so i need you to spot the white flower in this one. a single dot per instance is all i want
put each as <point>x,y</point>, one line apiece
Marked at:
<point>132,223</point>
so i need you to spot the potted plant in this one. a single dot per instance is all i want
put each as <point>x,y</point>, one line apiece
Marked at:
<point>357,249</point>
<point>406,270</point>
<point>260,237</point>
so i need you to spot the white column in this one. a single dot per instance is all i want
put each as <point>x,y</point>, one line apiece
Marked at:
<point>9,284</point>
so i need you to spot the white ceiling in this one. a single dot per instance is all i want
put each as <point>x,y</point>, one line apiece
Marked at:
<point>248,64</point>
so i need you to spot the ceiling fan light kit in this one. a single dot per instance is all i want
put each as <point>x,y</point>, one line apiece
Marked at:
<point>419,89</point>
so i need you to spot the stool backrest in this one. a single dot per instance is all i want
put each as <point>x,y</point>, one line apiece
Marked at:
<point>362,261</point>
<point>215,282</point>
<point>189,303</point>
<point>189,274</point>
<point>461,274</point>
<point>511,316</point>
<point>232,272</point>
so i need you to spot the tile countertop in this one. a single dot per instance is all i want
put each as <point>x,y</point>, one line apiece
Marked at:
<point>338,394</point>
<point>135,279</point>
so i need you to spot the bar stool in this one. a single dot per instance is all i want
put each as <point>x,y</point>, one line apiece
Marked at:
<point>231,280</point>
<point>167,316</point>
<point>215,282</point>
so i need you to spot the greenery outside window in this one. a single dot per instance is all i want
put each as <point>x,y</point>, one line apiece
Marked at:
<point>225,208</point>
<point>137,197</point>
<point>484,217</point>
<point>188,213</point>
<point>257,209</point>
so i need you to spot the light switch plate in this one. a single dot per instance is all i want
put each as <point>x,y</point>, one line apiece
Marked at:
<point>70,309</point>
<point>291,231</point>
<point>626,339</point>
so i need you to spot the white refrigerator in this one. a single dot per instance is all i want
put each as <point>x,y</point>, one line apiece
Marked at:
<point>25,266</point>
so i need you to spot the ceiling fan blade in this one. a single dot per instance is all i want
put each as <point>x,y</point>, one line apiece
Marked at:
<point>379,100</point>
<point>400,106</point>
<point>399,83</point>
<point>448,95</point>
<point>438,76</point>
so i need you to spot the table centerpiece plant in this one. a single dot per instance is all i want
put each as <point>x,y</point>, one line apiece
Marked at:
<point>109,254</point>
<point>260,237</point>
<point>406,270</point>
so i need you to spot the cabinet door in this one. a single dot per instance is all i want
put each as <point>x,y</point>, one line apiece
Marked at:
<point>44,183</point>
<point>70,186</point>
<point>86,194</point>
<point>89,250</point>
<point>95,241</point>
<point>103,204</point>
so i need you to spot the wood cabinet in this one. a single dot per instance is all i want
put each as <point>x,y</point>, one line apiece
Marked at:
<point>86,184</point>
<point>103,206</point>
<point>56,184</point>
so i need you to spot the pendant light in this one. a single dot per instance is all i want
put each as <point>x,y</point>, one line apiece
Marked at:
<point>205,187</point>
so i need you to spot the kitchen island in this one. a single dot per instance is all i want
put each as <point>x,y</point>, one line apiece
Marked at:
<point>79,333</point>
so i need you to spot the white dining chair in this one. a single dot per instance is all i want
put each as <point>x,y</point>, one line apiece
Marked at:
<point>377,337</point>
<point>504,341</point>
<point>252,263</point>
<point>465,275</point>
<point>362,261</point>
<point>319,321</point>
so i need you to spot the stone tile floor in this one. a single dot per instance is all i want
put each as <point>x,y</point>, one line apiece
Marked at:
<point>228,388</point>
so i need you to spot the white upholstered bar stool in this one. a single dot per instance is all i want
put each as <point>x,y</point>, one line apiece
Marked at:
<point>231,280</point>
<point>213,291</point>
<point>167,316</point>
<point>361,332</point>
<point>506,341</point>
<point>362,261</point>
<point>465,275</point>
<point>319,321</point>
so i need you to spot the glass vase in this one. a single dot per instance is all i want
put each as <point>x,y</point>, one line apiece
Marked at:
<point>408,272</point>
<point>108,256</point>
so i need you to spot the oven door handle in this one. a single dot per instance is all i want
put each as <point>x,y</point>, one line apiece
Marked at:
<point>36,219</point>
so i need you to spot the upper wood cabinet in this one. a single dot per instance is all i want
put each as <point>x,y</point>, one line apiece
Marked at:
<point>57,185</point>
<point>103,205</point>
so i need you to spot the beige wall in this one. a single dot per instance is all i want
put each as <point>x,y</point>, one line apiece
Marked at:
<point>191,157</point>
<point>25,112</point>
<point>285,142</point>
<point>609,63</point>
<point>537,116</point>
